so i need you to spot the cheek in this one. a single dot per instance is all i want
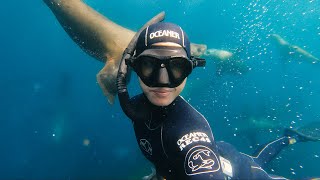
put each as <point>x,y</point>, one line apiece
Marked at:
<point>174,94</point>
<point>172,97</point>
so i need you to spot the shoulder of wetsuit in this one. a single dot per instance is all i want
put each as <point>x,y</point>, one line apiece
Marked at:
<point>138,99</point>
<point>140,107</point>
<point>186,107</point>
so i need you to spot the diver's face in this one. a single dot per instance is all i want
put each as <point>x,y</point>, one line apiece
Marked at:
<point>162,96</point>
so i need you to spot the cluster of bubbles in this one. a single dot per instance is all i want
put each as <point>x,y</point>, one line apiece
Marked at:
<point>290,102</point>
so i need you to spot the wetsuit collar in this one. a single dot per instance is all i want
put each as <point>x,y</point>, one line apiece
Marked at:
<point>164,109</point>
<point>158,114</point>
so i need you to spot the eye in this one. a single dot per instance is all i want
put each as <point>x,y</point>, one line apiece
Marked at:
<point>179,67</point>
<point>147,66</point>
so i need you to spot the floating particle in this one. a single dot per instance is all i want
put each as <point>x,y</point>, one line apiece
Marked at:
<point>86,142</point>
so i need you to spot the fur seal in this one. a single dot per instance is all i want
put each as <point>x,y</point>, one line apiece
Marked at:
<point>288,49</point>
<point>226,62</point>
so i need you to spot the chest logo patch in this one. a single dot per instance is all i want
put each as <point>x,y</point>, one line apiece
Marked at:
<point>146,146</point>
<point>199,160</point>
<point>191,138</point>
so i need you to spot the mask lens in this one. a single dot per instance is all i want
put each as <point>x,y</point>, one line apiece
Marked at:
<point>147,66</point>
<point>179,67</point>
<point>151,70</point>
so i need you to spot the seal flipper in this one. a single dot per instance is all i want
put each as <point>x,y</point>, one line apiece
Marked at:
<point>107,79</point>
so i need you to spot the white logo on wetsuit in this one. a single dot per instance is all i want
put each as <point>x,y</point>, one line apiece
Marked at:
<point>199,160</point>
<point>146,146</point>
<point>161,33</point>
<point>192,137</point>
<point>226,166</point>
<point>200,156</point>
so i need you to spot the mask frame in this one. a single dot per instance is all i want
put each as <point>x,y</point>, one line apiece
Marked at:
<point>172,59</point>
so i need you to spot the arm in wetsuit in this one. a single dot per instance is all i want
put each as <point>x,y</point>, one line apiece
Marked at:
<point>245,166</point>
<point>262,156</point>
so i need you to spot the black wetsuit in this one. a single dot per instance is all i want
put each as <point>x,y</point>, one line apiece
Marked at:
<point>178,140</point>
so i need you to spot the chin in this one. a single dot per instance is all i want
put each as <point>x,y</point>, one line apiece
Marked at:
<point>161,102</point>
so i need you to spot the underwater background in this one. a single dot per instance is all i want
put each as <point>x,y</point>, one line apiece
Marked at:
<point>55,122</point>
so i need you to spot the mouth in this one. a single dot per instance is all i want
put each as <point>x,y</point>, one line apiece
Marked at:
<point>162,92</point>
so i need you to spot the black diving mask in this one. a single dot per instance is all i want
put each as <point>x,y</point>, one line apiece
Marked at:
<point>163,67</point>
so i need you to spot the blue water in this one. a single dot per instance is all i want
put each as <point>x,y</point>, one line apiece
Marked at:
<point>56,124</point>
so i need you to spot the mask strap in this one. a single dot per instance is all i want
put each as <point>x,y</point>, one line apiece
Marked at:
<point>198,62</point>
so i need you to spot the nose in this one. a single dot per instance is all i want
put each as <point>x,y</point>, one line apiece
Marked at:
<point>163,76</point>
